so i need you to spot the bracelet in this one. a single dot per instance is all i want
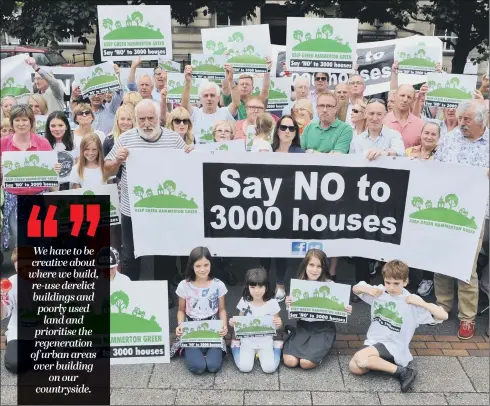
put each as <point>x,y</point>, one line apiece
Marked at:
<point>37,70</point>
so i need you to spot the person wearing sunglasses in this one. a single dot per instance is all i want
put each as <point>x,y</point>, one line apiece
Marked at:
<point>320,80</point>
<point>358,117</point>
<point>180,121</point>
<point>356,92</point>
<point>402,120</point>
<point>84,117</point>
<point>209,92</point>
<point>328,134</point>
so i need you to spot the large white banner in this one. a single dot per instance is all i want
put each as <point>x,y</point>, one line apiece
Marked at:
<point>242,205</point>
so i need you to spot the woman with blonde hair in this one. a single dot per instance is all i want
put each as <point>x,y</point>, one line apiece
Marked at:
<point>302,112</point>
<point>223,130</point>
<point>358,118</point>
<point>89,171</point>
<point>124,120</point>
<point>131,99</point>
<point>7,103</point>
<point>179,120</point>
<point>38,104</point>
<point>84,117</point>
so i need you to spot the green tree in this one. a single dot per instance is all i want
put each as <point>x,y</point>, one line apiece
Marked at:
<point>417,202</point>
<point>9,82</point>
<point>107,23</point>
<point>463,211</point>
<point>296,294</point>
<point>120,299</point>
<point>185,330</point>
<point>99,71</point>
<point>327,30</point>
<point>139,191</point>
<point>169,186</point>
<point>205,326</point>
<point>452,200</point>
<point>324,290</point>
<point>118,24</point>
<point>8,165</point>
<point>306,295</point>
<point>137,17</point>
<point>211,45</point>
<point>454,82</point>
<point>298,35</point>
<point>34,159</point>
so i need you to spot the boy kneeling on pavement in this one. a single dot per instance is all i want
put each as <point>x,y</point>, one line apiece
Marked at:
<point>395,314</point>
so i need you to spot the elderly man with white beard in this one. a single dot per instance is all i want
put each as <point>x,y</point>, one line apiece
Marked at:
<point>146,134</point>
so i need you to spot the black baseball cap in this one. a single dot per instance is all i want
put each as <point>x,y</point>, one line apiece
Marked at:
<point>107,257</point>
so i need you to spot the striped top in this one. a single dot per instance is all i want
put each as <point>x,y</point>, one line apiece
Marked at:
<point>131,140</point>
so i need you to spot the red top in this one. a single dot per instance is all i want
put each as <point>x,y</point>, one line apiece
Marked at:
<point>37,144</point>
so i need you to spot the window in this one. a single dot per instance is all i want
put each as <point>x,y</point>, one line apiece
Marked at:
<point>223,20</point>
<point>67,42</point>
<point>446,35</point>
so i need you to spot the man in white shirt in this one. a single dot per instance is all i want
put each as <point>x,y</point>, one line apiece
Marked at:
<point>204,118</point>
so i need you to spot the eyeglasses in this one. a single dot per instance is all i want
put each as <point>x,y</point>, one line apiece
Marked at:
<point>222,131</point>
<point>258,108</point>
<point>322,78</point>
<point>357,111</point>
<point>325,106</point>
<point>179,121</point>
<point>356,83</point>
<point>291,128</point>
<point>84,113</point>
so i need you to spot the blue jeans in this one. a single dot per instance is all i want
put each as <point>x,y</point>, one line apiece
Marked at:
<point>198,360</point>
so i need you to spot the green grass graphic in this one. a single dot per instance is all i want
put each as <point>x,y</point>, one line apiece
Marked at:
<point>247,59</point>
<point>443,215</point>
<point>133,33</point>
<point>258,329</point>
<point>207,137</point>
<point>322,45</point>
<point>417,62</point>
<point>169,68</point>
<point>208,68</point>
<point>180,89</point>
<point>30,171</point>
<point>382,311</point>
<point>127,323</point>
<point>100,80</point>
<point>202,334</point>
<point>323,303</point>
<point>14,91</point>
<point>450,93</point>
<point>166,201</point>
<point>275,94</point>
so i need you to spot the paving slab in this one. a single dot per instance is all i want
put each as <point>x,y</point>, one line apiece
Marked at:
<point>371,382</point>
<point>477,370</point>
<point>8,395</point>
<point>209,397</point>
<point>176,376</point>
<point>325,377</point>
<point>440,374</point>
<point>130,376</point>
<point>277,398</point>
<point>467,399</point>
<point>231,378</point>
<point>143,397</point>
<point>6,378</point>
<point>345,398</point>
<point>412,398</point>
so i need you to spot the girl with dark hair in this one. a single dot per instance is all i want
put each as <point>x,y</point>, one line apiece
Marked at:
<point>311,341</point>
<point>257,301</point>
<point>286,136</point>
<point>201,297</point>
<point>60,138</point>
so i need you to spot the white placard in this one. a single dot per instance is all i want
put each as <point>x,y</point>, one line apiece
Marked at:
<point>321,44</point>
<point>319,300</point>
<point>250,326</point>
<point>175,88</point>
<point>40,124</point>
<point>127,32</point>
<point>16,77</point>
<point>139,323</point>
<point>448,90</point>
<point>244,205</point>
<point>169,66</point>
<point>98,79</point>
<point>202,334</point>
<point>418,56</point>
<point>23,169</point>
<point>245,46</point>
<point>208,66</point>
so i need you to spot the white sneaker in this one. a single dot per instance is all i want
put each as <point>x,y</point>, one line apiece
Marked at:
<point>425,287</point>
<point>280,294</point>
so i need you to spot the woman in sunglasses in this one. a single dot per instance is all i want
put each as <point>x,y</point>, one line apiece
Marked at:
<point>358,118</point>
<point>84,117</point>
<point>179,121</point>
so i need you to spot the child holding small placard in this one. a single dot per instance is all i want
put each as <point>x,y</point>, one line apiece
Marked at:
<point>257,300</point>
<point>201,297</point>
<point>312,339</point>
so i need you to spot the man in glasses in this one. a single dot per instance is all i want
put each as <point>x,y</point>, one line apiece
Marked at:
<point>402,120</point>
<point>356,92</point>
<point>328,134</point>
<point>204,118</point>
<point>321,86</point>
<point>245,88</point>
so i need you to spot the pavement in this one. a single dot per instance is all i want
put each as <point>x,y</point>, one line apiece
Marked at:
<point>450,371</point>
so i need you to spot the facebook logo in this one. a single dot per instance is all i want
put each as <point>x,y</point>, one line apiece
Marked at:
<point>298,248</point>
<point>318,245</point>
